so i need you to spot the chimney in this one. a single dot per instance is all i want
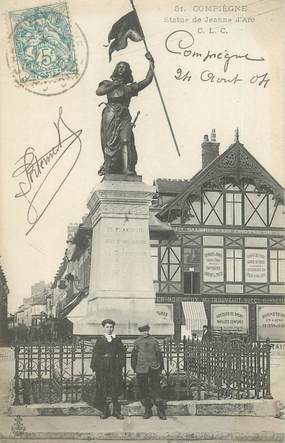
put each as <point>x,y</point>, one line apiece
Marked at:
<point>210,149</point>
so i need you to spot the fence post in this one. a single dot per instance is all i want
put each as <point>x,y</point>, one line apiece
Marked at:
<point>82,348</point>
<point>208,374</point>
<point>39,371</point>
<point>125,373</point>
<point>17,388</point>
<point>167,345</point>
<point>50,372</point>
<point>178,357</point>
<point>72,371</point>
<point>248,347</point>
<point>238,356</point>
<point>267,374</point>
<point>27,386</point>
<point>61,370</point>
<point>199,363</point>
<point>257,370</point>
<point>187,365</point>
<point>184,352</point>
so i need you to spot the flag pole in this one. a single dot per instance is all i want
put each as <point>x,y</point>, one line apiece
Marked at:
<point>157,84</point>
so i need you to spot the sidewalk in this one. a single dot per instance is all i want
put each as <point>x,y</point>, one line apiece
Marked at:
<point>135,428</point>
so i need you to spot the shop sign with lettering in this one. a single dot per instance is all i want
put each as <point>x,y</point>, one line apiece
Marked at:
<point>230,318</point>
<point>164,312</point>
<point>219,231</point>
<point>277,349</point>
<point>212,298</point>
<point>213,264</point>
<point>271,322</point>
<point>256,265</point>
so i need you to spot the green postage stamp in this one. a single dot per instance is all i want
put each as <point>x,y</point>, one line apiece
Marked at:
<point>43,43</point>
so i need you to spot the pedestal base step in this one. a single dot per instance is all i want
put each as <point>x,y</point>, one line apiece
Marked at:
<point>252,408</point>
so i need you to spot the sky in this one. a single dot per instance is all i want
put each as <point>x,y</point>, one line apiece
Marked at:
<point>199,95</point>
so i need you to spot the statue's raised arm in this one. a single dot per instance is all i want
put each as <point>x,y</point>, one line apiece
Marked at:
<point>117,138</point>
<point>149,76</point>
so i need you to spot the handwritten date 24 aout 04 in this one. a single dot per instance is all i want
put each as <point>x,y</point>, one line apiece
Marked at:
<point>210,77</point>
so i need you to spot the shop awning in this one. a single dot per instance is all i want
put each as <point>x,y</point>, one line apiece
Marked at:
<point>195,315</point>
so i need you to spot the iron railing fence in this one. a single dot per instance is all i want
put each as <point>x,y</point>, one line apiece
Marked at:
<point>50,373</point>
<point>228,368</point>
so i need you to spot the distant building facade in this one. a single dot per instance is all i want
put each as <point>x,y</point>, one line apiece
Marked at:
<point>4,291</point>
<point>38,288</point>
<point>71,282</point>
<point>34,308</point>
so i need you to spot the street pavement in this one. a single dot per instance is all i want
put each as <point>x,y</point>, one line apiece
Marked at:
<point>130,441</point>
<point>86,428</point>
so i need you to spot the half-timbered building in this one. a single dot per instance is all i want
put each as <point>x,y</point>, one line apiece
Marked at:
<point>225,266</point>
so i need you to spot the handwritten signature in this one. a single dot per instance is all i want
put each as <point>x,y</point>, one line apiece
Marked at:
<point>34,171</point>
<point>180,42</point>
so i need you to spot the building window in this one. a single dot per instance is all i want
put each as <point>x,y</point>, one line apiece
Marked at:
<point>233,208</point>
<point>191,274</point>
<point>234,265</point>
<point>213,240</point>
<point>191,281</point>
<point>255,209</point>
<point>171,263</point>
<point>212,208</point>
<point>255,242</point>
<point>277,265</point>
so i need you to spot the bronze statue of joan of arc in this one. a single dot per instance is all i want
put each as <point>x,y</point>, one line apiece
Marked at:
<point>117,138</point>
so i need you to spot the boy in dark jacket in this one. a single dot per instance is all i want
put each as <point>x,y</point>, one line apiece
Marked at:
<point>147,363</point>
<point>108,360</point>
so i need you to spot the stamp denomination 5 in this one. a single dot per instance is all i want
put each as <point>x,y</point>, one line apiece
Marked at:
<point>43,42</point>
<point>47,52</point>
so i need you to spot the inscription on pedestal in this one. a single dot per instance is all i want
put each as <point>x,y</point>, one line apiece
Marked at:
<point>121,284</point>
<point>125,252</point>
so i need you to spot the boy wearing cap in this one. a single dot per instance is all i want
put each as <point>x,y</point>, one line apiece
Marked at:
<point>108,359</point>
<point>147,363</point>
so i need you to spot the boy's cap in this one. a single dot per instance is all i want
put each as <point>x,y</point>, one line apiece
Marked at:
<point>143,326</point>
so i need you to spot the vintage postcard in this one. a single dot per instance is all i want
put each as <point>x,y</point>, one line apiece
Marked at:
<point>142,269</point>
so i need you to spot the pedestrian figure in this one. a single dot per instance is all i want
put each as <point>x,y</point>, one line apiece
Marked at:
<point>147,363</point>
<point>206,334</point>
<point>108,360</point>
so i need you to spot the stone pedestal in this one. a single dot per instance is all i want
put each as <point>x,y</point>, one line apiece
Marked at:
<point>121,284</point>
